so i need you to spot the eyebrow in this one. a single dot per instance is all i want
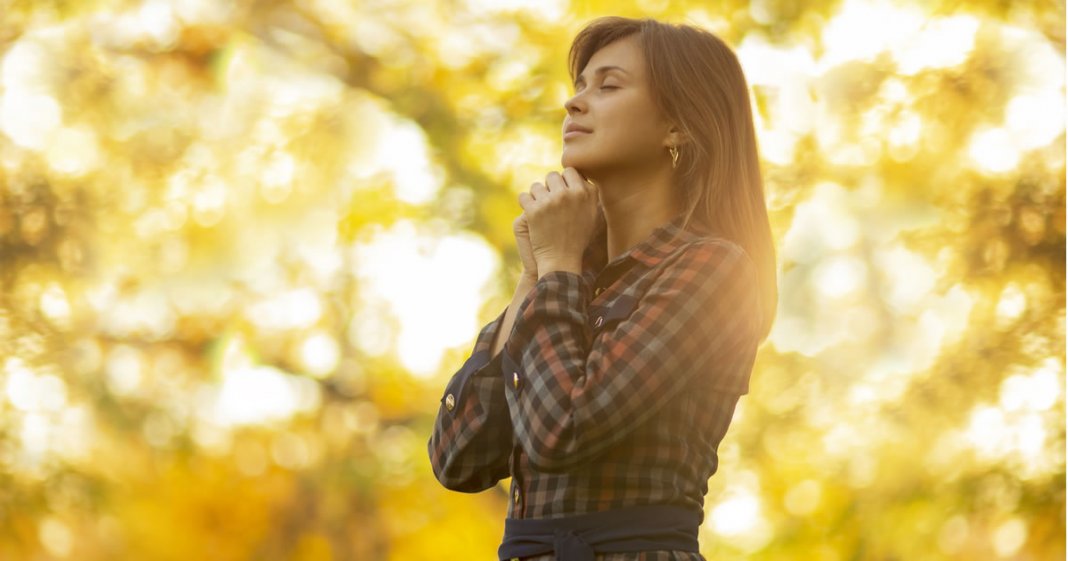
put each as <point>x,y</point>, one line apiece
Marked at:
<point>602,70</point>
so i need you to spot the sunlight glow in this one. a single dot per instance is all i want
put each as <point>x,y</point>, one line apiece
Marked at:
<point>54,304</point>
<point>995,435</point>
<point>1009,536</point>
<point>125,371</point>
<point>803,498</point>
<point>73,151</point>
<point>396,268</point>
<point>824,222</point>
<point>240,242</point>
<point>736,515</point>
<point>293,309</point>
<point>29,391</point>
<point>1011,304</point>
<point>739,516</point>
<point>864,28</point>
<point>29,119</point>
<point>909,278</point>
<point>840,276</point>
<point>55,535</point>
<point>939,43</point>
<point>1035,119</point>
<point>522,152</point>
<point>459,45</point>
<point>402,149</point>
<point>784,78</point>
<point>953,534</point>
<point>546,10</point>
<point>262,394</point>
<point>904,135</point>
<point>992,150</point>
<point>1038,391</point>
<point>319,354</point>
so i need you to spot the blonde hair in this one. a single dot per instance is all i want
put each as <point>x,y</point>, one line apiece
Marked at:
<point>698,83</point>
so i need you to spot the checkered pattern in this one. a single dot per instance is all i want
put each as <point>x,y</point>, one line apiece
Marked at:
<point>638,556</point>
<point>615,386</point>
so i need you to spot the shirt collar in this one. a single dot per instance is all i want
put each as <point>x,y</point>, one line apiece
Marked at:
<point>660,243</point>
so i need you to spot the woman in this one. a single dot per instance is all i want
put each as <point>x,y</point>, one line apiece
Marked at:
<point>606,386</point>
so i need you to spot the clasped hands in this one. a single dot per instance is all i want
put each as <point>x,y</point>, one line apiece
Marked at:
<point>557,223</point>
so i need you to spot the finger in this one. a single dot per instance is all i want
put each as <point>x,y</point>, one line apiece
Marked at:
<point>539,191</point>
<point>575,180</point>
<point>525,200</point>
<point>554,181</point>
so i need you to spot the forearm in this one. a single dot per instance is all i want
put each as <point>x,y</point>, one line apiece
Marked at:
<point>526,284</point>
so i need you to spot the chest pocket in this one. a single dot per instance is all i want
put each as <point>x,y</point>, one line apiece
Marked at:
<point>607,318</point>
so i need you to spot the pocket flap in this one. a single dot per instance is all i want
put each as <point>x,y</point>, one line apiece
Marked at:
<point>619,310</point>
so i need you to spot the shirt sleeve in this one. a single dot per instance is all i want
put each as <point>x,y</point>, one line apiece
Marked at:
<point>471,442</point>
<point>577,393</point>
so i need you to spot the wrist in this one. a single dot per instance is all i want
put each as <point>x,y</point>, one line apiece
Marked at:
<point>526,284</point>
<point>570,265</point>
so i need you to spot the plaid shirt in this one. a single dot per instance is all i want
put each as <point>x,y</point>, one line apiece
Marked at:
<point>614,388</point>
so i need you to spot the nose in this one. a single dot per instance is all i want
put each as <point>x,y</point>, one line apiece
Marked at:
<point>572,104</point>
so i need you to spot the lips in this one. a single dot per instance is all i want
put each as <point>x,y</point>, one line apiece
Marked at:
<point>573,127</point>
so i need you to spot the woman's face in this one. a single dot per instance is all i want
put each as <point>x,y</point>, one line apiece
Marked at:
<point>616,105</point>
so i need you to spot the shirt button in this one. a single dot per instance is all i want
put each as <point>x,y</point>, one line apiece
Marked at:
<point>600,320</point>
<point>450,402</point>
<point>515,379</point>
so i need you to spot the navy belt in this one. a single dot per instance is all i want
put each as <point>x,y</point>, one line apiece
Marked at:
<point>579,537</point>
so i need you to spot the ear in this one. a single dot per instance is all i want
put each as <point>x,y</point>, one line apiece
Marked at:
<point>674,137</point>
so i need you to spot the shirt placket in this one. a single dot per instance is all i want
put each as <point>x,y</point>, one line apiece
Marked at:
<point>517,485</point>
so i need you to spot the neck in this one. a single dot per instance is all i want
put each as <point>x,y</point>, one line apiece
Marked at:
<point>634,206</point>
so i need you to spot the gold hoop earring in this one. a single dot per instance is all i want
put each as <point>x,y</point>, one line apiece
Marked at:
<point>674,156</point>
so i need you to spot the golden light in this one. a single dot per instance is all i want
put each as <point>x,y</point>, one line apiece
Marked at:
<point>73,151</point>
<point>319,354</point>
<point>294,451</point>
<point>297,308</point>
<point>55,535</point>
<point>863,28</point>
<point>395,268</point>
<point>125,371</point>
<point>520,152</point>
<point>262,395</point>
<point>402,151</point>
<point>738,517</point>
<point>1035,119</point>
<point>1009,536</point>
<point>803,498</point>
<point>785,77</point>
<point>938,43</point>
<point>55,306</point>
<point>250,457</point>
<point>209,216</point>
<point>549,11</point>
<point>29,119</point>
<point>953,534</point>
<point>840,276</point>
<point>31,393</point>
<point>993,151</point>
<point>1011,304</point>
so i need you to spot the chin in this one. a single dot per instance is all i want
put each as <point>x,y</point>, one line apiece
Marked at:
<point>581,165</point>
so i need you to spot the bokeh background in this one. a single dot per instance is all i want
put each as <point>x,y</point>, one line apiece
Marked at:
<point>244,245</point>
